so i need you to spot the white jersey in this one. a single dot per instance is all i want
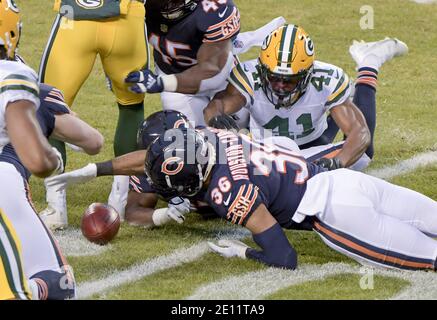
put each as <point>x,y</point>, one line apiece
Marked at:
<point>303,122</point>
<point>17,82</point>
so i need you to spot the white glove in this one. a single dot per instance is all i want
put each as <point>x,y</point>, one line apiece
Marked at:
<point>81,175</point>
<point>176,210</point>
<point>229,248</point>
<point>60,168</point>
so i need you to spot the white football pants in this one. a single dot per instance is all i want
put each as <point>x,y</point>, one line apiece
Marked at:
<point>40,250</point>
<point>371,220</point>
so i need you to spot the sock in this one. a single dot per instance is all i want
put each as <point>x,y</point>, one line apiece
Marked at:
<point>60,146</point>
<point>129,120</point>
<point>365,100</point>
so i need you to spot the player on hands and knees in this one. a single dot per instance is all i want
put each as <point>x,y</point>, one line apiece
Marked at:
<point>288,93</point>
<point>31,266</point>
<point>266,188</point>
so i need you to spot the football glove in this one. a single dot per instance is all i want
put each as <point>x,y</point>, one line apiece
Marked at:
<point>229,248</point>
<point>81,175</point>
<point>176,210</point>
<point>223,121</point>
<point>330,164</point>
<point>145,81</point>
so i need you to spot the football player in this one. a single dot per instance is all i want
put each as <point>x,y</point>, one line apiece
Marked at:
<point>114,30</point>
<point>31,265</point>
<point>288,93</point>
<point>266,188</point>
<point>193,53</point>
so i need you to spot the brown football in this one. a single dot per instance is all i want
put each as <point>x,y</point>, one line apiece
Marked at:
<point>100,223</point>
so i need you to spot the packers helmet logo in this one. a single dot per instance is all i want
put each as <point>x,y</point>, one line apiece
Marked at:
<point>266,42</point>
<point>309,46</point>
<point>90,4</point>
<point>172,166</point>
<point>13,6</point>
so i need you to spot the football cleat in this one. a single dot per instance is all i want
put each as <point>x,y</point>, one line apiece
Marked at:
<point>55,215</point>
<point>375,54</point>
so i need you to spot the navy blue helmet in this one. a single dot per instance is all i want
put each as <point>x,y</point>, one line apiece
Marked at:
<point>178,162</point>
<point>158,123</point>
<point>174,10</point>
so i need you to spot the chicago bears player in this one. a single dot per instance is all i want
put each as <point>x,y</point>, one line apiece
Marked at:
<point>288,93</point>
<point>31,264</point>
<point>192,43</point>
<point>266,188</point>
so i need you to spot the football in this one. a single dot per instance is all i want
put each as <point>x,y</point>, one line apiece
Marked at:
<point>100,223</point>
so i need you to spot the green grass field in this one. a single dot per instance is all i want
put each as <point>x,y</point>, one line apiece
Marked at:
<point>406,126</point>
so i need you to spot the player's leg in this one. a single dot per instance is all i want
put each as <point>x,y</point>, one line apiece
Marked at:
<point>123,48</point>
<point>369,57</point>
<point>43,262</point>
<point>67,62</point>
<point>352,223</point>
<point>13,283</point>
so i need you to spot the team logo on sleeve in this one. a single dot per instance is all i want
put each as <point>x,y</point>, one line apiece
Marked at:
<point>90,4</point>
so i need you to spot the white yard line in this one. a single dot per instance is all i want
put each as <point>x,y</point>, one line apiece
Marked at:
<point>74,244</point>
<point>405,166</point>
<point>260,284</point>
<point>149,267</point>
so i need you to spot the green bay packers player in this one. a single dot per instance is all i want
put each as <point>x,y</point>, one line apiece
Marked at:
<point>289,93</point>
<point>115,31</point>
<point>31,265</point>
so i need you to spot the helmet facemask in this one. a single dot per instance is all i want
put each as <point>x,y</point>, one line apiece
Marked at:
<point>174,10</point>
<point>284,90</point>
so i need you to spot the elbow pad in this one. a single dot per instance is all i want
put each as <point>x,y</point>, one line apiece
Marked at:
<point>277,251</point>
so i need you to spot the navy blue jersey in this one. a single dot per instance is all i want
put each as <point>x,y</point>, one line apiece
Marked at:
<point>248,174</point>
<point>52,103</point>
<point>176,44</point>
<point>140,184</point>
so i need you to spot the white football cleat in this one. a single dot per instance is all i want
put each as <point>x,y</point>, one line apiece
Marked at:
<point>375,54</point>
<point>118,196</point>
<point>55,215</point>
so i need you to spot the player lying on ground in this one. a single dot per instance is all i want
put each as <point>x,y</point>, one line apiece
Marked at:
<point>266,188</point>
<point>288,93</point>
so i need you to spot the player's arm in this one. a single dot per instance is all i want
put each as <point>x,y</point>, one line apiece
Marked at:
<point>29,142</point>
<point>268,234</point>
<point>352,123</point>
<point>140,208</point>
<point>211,60</point>
<point>228,101</point>
<point>72,129</point>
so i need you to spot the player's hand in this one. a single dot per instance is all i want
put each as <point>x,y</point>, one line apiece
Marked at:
<point>330,164</point>
<point>229,248</point>
<point>223,121</point>
<point>177,209</point>
<point>145,81</point>
<point>81,175</point>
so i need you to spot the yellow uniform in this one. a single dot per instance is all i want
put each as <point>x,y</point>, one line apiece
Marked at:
<point>73,46</point>
<point>13,284</point>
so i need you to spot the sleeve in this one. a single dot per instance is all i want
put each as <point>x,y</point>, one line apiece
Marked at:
<point>53,100</point>
<point>238,204</point>
<point>140,184</point>
<point>241,80</point>
<point>340,89</point>
<point>218,20</point>
<point>19,84</point>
